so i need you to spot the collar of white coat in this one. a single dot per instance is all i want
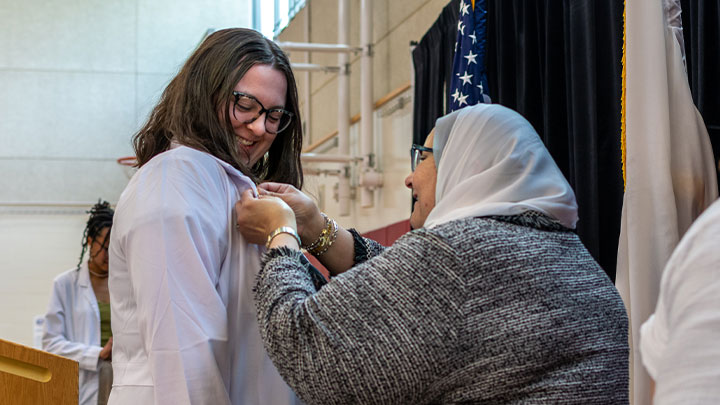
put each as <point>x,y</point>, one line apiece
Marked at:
<point>84,275</point>
<point>241,181</point>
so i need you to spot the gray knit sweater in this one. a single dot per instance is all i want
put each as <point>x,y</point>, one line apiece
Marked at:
<point>473,311</point>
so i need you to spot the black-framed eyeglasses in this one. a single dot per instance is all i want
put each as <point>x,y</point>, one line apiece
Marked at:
<point>248,109</point>
<point>416,155</point>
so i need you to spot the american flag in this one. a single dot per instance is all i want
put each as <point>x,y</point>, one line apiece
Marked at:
<point>469,76</point>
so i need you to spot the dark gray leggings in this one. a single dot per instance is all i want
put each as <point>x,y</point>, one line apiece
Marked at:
<point>105,378</point>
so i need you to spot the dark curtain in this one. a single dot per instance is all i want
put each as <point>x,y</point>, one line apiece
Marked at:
<point>701,29</point>
<point>558,63</point>
<point>433,58</point>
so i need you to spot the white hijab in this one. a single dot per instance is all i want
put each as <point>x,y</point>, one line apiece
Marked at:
<point>491,161</point>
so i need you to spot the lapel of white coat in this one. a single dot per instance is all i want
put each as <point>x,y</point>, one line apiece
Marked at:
<point>87,290</point>
<point>241,181</point>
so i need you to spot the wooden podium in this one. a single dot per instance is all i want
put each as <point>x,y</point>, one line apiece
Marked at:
<point>29,376</point>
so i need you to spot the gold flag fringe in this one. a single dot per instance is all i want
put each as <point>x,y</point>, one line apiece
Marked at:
<point>623,143</point>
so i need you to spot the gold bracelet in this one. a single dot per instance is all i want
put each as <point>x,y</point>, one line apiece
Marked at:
<point>326,238</point>
<point>330,240</point>
<point>283,229</point>
<point>319,239</point>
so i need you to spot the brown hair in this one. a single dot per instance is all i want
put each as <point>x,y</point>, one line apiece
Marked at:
<point>188,111</point>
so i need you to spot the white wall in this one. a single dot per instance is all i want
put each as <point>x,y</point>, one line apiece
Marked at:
<point>395,24</point>
<point>77,79</point>
<point>393,137</point>
<point>34,248</point>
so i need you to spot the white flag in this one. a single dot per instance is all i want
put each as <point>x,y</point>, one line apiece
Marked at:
<point>669,167</point>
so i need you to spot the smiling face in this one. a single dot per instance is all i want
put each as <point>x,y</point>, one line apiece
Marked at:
<point>422,183</point>
<point>269,87</point>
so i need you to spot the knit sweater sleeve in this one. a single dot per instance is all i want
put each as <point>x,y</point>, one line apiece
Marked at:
<point>379,333</point>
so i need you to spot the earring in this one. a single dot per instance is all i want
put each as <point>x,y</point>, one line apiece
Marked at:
<point>266,157</point>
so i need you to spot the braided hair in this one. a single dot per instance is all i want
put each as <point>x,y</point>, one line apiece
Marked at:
<point>101,217</point>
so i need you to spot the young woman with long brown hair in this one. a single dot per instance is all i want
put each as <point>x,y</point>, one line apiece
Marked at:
<point>183,320</point>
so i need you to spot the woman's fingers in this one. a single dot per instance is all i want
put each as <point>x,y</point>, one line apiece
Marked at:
<point>275,187</point>
<point>247,195</point>
<point>258,216</point>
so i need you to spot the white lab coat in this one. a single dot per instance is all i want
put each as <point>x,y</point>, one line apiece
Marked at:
<point>72,328</point>
<point>679,342</point>
<point>183,319</point>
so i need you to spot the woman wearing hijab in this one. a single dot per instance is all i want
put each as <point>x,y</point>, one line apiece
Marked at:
<point>491,299</point>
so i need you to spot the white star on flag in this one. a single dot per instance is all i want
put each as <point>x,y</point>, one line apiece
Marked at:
<point>461,99</point>
<point>464,8</point>
<point>470,57</point>
<point>473,37</point>
<point>469,78</point>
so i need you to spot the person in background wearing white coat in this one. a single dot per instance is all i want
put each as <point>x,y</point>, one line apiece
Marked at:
<point>77,323</point>
<point>679,342</point>
<point>184,323</point>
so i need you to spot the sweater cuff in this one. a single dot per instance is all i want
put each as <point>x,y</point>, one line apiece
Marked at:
<point>317,278</point>
<point>361,251</point>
